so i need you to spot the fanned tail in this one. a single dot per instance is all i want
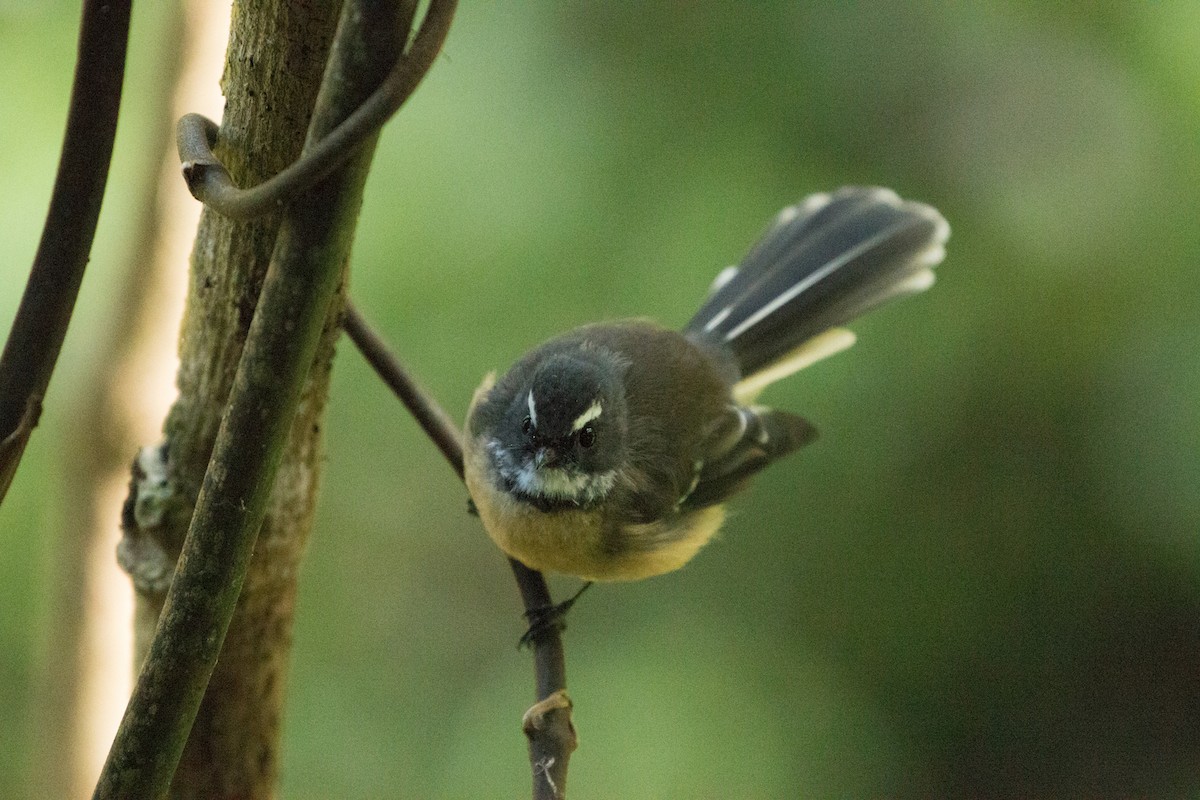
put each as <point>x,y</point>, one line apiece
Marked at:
<point>823,262</point>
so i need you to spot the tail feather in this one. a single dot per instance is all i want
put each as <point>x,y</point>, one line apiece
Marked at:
<point>823,345</point>
<point>822,263</point>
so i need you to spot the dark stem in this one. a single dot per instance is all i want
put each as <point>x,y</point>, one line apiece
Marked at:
<point>429,415</point>
<point>210,183</point>
<point>549,728</point>
<point>548,725</point>
<point>45,312</point>
<point>301,286</point>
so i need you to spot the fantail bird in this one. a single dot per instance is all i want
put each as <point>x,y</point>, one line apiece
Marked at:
<point>607,452</point>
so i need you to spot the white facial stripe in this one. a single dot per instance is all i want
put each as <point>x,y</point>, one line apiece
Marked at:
<point>587,416</point>
<point>557,484</point>
<point>553,484</point>
<point>532,408</point>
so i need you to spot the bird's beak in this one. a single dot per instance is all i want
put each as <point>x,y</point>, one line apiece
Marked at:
<point>545,457</point>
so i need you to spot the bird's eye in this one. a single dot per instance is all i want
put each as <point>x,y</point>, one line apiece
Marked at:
<point>587,436</point>
<point>527,426</point>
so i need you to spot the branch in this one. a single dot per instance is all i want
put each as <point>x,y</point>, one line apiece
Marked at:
<point>210,183</point>
<point>548,723</point>
<point>45,312</point>
<point>300,287</point>
<point>429,415</point>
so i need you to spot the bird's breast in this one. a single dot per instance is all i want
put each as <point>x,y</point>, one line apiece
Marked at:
<point>588,543</point>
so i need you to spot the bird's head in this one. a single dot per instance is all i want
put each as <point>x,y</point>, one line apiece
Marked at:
<point>561,435</point>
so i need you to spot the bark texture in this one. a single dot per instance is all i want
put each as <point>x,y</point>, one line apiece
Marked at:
<point>274,65</point>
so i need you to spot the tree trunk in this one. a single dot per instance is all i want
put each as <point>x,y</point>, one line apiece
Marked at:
<point>274,64</point>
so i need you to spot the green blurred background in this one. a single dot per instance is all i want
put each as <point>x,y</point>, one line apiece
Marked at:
<point>982,580</point>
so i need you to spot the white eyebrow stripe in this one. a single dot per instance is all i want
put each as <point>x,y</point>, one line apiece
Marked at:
<point>532,409</point>
<point>589,414</point>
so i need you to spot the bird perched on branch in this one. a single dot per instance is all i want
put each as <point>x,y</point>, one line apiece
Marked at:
<point>607,452</point>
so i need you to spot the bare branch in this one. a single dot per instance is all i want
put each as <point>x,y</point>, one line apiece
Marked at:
<point>210,183</point>
<point>45,312</point>
<point>429,415</point>
<point>548,723</point>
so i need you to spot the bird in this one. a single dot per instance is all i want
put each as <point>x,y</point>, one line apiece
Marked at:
<point>608,452</point>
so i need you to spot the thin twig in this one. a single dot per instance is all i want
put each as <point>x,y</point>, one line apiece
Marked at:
<point>429,415</point>
<point>45,312</point>
<point>300,288</point>
<point>548,724</point>
<point>112,411</point>
<point>210,183</point>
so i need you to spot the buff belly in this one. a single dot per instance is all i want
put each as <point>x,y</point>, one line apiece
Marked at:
<point>585,543</point>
